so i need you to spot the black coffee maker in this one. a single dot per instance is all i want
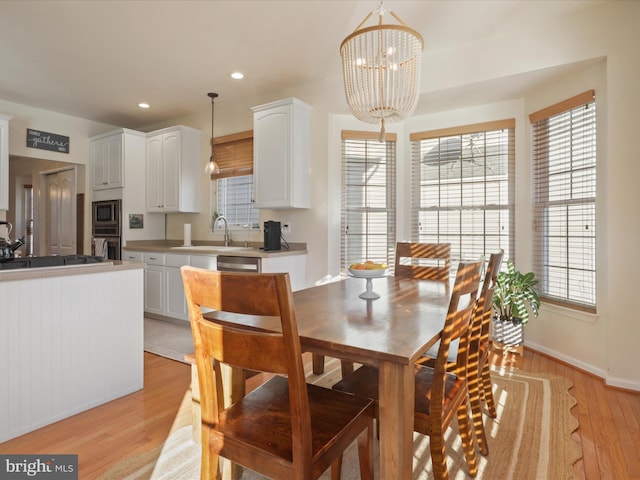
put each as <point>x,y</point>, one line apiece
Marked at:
<point>271,235</point>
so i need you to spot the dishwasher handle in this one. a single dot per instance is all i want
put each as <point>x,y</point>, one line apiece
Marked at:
<point>239,264</point>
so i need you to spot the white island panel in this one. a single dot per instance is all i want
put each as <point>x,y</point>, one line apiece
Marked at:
<point>67,344</point>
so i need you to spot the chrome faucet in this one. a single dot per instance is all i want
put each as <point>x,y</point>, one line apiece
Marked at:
<point>227,237</point>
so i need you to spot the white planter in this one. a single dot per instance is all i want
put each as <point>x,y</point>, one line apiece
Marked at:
<point>507,333</point>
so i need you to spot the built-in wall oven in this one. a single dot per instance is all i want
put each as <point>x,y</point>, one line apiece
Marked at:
<point>106,229</point>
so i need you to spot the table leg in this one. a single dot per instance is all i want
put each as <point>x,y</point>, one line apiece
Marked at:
<point>396,404</point>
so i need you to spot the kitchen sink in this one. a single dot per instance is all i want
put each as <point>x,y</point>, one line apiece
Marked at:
<point>218,248</point>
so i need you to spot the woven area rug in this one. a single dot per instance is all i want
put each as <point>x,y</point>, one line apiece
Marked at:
<point>529,440</point>
<point>167,338</point>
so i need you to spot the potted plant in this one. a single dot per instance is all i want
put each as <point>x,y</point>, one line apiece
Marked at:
<point>515,299</point>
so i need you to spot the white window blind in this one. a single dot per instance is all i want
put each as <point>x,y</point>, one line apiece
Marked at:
<point>368,198</point>
<point>564,200</point>
<point>462,188</point>
<point>234,201</point>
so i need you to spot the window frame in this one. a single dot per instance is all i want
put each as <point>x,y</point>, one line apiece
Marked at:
<point>366,140</point>
<point>581,142</point>
<point>464,243</point>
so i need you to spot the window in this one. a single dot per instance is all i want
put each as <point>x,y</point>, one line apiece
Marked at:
<point>234,154</point>
<point>564,201</point>
<point>234,201</point>
<point>368,198</point>
<point>462,188</point>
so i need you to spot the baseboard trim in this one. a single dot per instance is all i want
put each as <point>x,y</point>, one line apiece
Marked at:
<point>614,382</point>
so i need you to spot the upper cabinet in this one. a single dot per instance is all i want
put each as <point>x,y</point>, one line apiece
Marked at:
<point>281,154</point>
<point>107,160</point>
<point>173,170</point>
<point>4,162</point>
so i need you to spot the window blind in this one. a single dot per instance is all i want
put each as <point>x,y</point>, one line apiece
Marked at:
<point>462,188</point>
<point>564,201</point>
<point>368,198</point>
<point>234,154</point>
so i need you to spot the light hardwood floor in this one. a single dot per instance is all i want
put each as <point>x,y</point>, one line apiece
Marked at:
<point>609,421</point>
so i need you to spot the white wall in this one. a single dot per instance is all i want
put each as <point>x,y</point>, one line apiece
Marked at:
<point>77,129</point>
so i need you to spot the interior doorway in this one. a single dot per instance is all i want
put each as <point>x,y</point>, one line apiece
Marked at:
<point>59,221</point>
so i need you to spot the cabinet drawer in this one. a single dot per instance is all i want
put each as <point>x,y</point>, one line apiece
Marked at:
<point>132,256</point>
<point>153,258</point>
<point>176,260</point>
<point>208,262</point>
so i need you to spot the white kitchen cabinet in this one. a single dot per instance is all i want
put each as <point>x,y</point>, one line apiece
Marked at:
<point>107,161</point>
<point>132,256</point>
<point>281,154</point>
<point>294,265</point>
<point>175,301</point>
<point>4,162</point>
<point>154,283</point>
<point>173,170</point>
<point>163,287</point>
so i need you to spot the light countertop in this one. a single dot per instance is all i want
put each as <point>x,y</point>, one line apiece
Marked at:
<point>204,248</point>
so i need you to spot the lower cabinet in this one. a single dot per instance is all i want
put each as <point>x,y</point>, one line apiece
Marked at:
<point>175,303</point>
<point>163,287</point>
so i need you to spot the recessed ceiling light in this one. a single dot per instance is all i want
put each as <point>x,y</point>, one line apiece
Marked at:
<point>143,105</point>
<point>237,75</point>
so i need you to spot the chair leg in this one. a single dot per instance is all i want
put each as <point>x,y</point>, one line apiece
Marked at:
<point>318,363</point>
<point>365,453</point>
<point>476,414</point>
<point>438,454</point>
<point>336,468</point>
<point>466,434</point>
<point>209,463</point>
<point>346,367</point>
<point>486,386</point>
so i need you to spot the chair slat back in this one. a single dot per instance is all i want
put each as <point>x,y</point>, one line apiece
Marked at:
<point>434,260</point>
<point>457,326</point>
<point>485,300</point>
<point>232,293</point>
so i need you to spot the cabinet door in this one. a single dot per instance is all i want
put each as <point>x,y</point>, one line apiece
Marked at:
<point>171,174</point>
<point>176,303</point>
<point>272,157</point>
<point>99,163</point>
<point>154,289</point>
<point>114,161</point>
<point>154,174</point>
<point>106,162</point>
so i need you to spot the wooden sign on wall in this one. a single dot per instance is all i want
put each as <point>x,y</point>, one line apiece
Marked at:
<point>47,141</point>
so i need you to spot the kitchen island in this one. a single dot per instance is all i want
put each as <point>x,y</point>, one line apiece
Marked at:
<point>71,338</point>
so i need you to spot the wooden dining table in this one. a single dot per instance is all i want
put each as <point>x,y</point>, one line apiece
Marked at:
<point>390,333</point>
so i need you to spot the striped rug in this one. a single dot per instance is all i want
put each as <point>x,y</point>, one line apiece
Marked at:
<point>529,440</point>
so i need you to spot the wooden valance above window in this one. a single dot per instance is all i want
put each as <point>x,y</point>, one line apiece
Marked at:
<point>234,154</point>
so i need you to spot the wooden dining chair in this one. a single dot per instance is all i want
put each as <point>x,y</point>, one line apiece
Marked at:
<point>480,350</point>
<point>439,395</point>
<point>285,428</point>
<point>427,261</point>
<point>478,366</point>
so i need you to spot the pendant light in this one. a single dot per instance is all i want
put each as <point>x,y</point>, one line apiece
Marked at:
<point>381,66</point>
<point>212,167</point>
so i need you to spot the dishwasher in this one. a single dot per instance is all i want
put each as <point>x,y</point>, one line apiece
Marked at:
<point>239,264</point>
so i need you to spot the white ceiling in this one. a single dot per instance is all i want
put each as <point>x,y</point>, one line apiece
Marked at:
<point>97,59</point>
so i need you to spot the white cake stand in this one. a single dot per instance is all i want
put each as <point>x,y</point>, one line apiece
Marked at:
<point>368,275</point>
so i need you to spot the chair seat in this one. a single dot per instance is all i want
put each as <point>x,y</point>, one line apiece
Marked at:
<point>433,351</point>
<point>364,382</point>
<point>261,421</point>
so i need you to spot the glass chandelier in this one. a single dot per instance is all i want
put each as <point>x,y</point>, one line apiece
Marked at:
<point>381,66</point>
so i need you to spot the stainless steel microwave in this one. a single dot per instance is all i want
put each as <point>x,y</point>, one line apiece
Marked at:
<point>106,217</point>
